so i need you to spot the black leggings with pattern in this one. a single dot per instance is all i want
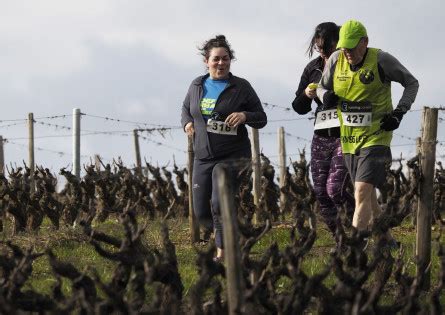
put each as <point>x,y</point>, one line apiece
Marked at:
<point>330,177</point>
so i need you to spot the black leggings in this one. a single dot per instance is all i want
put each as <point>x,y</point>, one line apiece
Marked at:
<point>205,190</point>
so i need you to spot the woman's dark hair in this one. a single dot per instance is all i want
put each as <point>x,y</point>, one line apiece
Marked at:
<point>217,42</point>
<point>328,33</point>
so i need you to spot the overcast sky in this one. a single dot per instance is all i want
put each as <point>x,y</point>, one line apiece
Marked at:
<point>134,60</point>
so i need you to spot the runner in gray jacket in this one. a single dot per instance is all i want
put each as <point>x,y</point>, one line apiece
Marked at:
<point>215,111</point>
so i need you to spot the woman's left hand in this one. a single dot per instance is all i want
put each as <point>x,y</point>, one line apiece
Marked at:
<point>236,119</point>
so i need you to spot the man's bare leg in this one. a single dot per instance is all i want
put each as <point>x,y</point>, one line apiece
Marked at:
<point>219,253</point>
<point>376,211</point>
<point>363,205</point>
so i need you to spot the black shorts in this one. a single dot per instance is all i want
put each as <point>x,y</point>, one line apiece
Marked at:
<point>369,165</point>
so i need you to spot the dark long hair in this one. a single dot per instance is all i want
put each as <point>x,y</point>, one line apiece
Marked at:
<point>217,42</point>
<point>328,33</point>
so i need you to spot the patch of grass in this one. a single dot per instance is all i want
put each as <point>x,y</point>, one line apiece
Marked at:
<point>71,245</point>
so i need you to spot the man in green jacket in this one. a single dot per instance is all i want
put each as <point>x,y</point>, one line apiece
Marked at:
<point>359,79</point>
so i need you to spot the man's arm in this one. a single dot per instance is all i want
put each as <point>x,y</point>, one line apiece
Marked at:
<point>325,90</point>
<point>396,72</point>
<point>393,70</point>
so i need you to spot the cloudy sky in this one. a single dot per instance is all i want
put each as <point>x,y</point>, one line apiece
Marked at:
<point>134,60</point>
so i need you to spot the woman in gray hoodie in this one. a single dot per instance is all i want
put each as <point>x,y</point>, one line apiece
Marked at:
<point>216,110</point>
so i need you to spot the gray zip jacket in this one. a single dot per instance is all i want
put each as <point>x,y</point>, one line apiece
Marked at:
<point>238,96</point>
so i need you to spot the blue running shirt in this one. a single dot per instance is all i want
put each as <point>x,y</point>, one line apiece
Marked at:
<point>212,89</point>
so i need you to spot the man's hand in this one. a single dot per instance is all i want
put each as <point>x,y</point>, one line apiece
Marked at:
<point>391,121</point>
<point>330,99</point>
<point>189,129</point>
<point>235,119</point>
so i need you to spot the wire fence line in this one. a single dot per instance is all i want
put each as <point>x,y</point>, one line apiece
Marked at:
<point>153,129</point>
<point>157,126</point>
<point>109,118</point>
<point>274,106</point>
<point>163,144</point>
<point>58,152</point>
<point>106,118</point>
<point>44,117</point>
<point>287,134</point>
<point>13,124</point>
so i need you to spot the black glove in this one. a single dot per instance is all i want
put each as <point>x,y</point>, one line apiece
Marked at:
<point>391,121</point>
<point>330,99</point>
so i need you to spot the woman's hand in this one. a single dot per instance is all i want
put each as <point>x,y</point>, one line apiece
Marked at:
<point>189,129</point>
<point>235,119</point>
<point>310,92</point>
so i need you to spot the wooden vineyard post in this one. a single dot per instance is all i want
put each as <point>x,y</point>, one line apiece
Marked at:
<point>418,150</point>
<point>256,164</point>
<point>194,227</point>
<point>31,149</point>
<point>282,167</point>
<point>232,254</point>
<point>2,156</point>
<point>137,151</point>
<point>97,162</point>
<point>426,195</point>
<point>414,211</point>
<point>76,142</point>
